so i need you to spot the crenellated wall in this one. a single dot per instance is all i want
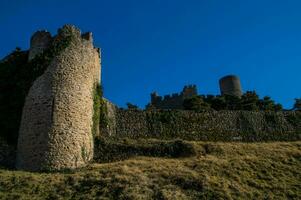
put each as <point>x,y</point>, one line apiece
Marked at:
<point>39,42</point>
<point>174,101</point>
<point>212,126</point>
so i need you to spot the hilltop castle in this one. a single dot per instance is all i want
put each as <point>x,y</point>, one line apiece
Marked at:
<point>174,101</point>
<point>58,114</point>
<point>229,85</point>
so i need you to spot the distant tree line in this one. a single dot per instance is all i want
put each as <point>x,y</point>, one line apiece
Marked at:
<point>297,105</point>
<point>249,101</point>
<point>131,106</point>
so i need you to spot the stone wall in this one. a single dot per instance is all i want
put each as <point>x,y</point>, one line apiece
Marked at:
<point>212,126</point>
<point>108,125</point>
<point>56,127</point>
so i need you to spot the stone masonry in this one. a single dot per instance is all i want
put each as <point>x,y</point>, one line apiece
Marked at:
<point>56,127</point>
<point>206,126</point>
<point>230,85</point>
<point>174,101</point>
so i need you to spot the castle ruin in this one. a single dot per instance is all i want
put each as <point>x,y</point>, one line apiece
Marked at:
<point>57,118</point>
<point>39,42</point>
<point>230,85</point>
<point>174,101</point>
<point>56,126</point>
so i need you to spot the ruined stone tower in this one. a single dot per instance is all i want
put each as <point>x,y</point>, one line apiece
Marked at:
<point>56,126</point>
<point>174,101</point>
<point>39,42</point>
<point>230,85</point>
<point>189,91</point>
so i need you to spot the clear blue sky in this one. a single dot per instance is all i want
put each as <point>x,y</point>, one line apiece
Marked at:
<point>164,44</point>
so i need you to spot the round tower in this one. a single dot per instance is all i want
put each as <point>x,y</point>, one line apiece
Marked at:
<point>39,41</point>
<point>56,130</point>
<point>230,85</point>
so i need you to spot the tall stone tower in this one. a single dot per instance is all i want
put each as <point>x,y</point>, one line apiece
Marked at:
<point>230,85</point>
<point>56,126</point>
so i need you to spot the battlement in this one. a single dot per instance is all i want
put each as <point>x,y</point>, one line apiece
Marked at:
<point>167,97</point>
<point>42,39</point>
<point>88,36</point>
<point>192,86</point>
<point>39,42</point>
<point>189,91</point>
<point>39,36</point>
<point>229,85</point>
<point>175,100</point>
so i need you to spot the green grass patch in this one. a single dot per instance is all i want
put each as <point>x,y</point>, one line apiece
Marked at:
<point>215,171</point>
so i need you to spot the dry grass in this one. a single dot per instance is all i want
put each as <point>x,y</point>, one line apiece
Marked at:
<point>216,171</point>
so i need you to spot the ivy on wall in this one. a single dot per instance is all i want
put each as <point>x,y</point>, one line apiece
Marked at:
<point>97,98</point>
<point>16,77</point>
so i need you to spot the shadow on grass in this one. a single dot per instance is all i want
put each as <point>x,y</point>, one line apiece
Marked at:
<point>110,150</point>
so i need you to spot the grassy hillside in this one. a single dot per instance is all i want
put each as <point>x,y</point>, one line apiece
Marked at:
<point>211,171</point>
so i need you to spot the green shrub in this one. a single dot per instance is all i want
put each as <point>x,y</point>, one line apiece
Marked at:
<point>132,106</point>
<point>196,103</point>
<point>248,101</point>
<point>98,109</point>
<point>294,119</point>
<point>297,104</point>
